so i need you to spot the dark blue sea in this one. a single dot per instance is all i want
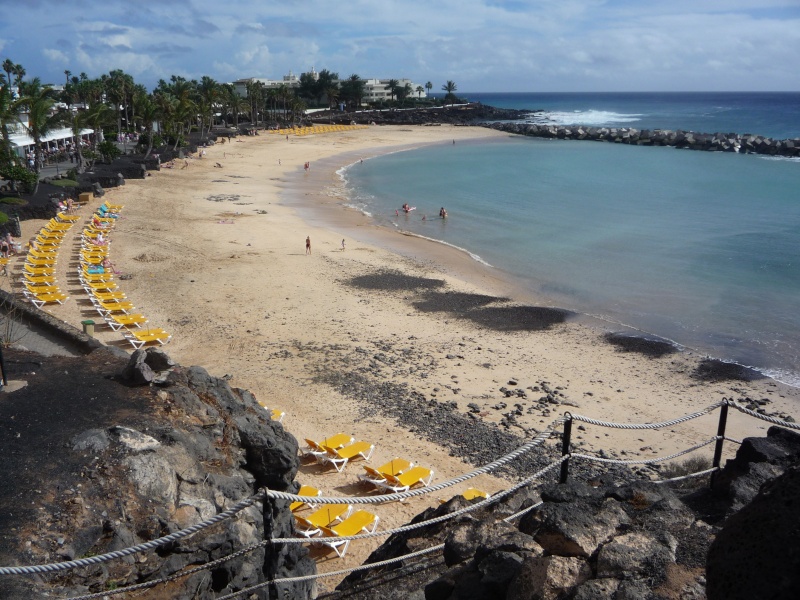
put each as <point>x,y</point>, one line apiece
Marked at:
<point>699,248</point>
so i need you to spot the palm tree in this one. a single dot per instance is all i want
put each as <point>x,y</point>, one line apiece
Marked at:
<point>405,91</point>
<point>98,115</point>
<point>353,89</point>
<point>209,93</point>
<point>419,91</point>
<point>148,114</point>
<point>234,102</point>
<point>67,74</point>
<point>392,85</point>
<point>429,87</point>
<point>9,68</point>
<point>8,115</point>
<point>333,95</point>
<point>39,102</point>
<point>19,72</point>
<point>449,87</point>
<point>77,121</point>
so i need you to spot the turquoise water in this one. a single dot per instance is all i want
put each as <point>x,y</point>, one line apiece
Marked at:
<point>699,248</point>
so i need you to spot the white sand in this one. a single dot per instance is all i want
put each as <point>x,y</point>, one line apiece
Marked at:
<point>231,281</point>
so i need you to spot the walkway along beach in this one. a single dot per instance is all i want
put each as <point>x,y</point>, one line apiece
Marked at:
<point>217,257</point>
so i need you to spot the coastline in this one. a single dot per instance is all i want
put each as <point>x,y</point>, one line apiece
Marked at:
<point>216,257</point>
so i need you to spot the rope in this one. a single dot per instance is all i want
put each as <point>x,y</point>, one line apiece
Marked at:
<point>100,558</point>
<point>522,512</point>
<point>682,419</point>
<point>193,570</point>
<point>689,476</point>
<point>380,499</point>
<point>382,563</point>
<point>448,516</point>
<point>469,508</point>
<point>647,461</point>
<point>753,413</point>
<point>734,440</point>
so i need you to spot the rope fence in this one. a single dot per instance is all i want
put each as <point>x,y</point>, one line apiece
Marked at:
<point>538,440</point>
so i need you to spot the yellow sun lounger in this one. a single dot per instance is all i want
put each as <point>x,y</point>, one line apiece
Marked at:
<point>41,299</point>
<point>324,516</point>
<point>405,481</point>
<point>65,218</point>
<point>39,279</point>
<point>32,270</point>
<point>335,441</point>
<point>108,307</point>
<point>108,296</point>
<point>305,490</point>
<point>117,322</point>
<point>340,457</point>
<point>51,235</point>
<point>360,521</point>
<point>53,225</point>
<point>396,466</point>
<point>139,338</point>
<point>40,289</point>
<point>40,262</point>
<point>97,286</point>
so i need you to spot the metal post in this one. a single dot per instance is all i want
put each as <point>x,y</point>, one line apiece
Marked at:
<point>723,420</point>
<point>565,442</point>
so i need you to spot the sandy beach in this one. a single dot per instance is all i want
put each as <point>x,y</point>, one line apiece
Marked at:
<point>215,250</point>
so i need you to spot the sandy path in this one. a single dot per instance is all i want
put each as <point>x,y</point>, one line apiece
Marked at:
<point>218,261</point>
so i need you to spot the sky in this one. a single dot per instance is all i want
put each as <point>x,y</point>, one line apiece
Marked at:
<point>481,45</point>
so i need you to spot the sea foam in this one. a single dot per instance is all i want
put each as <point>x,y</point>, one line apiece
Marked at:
<point>594,118</point>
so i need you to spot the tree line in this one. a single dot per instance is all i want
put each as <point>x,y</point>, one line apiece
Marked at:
<point>179,106</point>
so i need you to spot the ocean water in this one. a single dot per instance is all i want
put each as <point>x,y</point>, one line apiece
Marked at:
<point>694,247</point>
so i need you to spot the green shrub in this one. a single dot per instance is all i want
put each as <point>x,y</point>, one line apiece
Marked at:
<point>693,464</point>
<point>3,218</point>
<point>12,200</point>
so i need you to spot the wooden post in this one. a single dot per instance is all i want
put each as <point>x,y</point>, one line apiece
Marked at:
<point>723,420</point>
<point>565,442</point>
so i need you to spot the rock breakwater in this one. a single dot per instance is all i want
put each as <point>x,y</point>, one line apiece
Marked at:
<point>690,140</point>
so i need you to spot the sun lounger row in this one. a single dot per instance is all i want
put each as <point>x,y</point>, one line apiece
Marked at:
<point>96,274</point>
<point>39,270</point>
<point>317,129</point>
<point>397,475</point>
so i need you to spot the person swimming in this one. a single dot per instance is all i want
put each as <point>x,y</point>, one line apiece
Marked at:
<point>443,213</point>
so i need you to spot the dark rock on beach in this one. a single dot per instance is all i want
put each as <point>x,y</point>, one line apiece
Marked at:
<point>641,345</point>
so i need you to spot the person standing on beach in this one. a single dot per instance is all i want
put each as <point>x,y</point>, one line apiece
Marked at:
<point>342,244</point>
<point>308,244</point>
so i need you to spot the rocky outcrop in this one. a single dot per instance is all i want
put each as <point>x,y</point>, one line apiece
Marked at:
<point>757,461</point>
<point>712,142</point>
<point>583,542</point>
<point>757,554</point>
<point>153,449</point>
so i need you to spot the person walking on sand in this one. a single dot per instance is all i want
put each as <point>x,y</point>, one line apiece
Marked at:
<point>308,244</point>
<point>342,244</point>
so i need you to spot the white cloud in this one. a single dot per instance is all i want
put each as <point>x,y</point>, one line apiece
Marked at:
<point>55,55</point>
<point>481,44</point>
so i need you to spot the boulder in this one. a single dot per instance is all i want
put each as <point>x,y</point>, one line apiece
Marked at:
<point>637,555</point>
<point>576,528</point>
<point>548,578</point>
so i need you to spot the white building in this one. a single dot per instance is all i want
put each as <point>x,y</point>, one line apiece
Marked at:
<point>291,80</point>
<point>377,90</point>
